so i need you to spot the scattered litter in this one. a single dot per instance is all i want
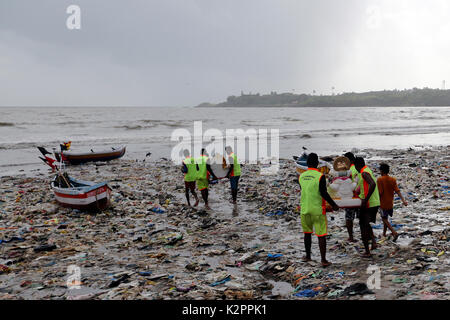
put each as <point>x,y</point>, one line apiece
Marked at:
<point>150,245</point>
<point>274,256</point>
<point>228,278</point>
<point>45,247</point>
<point>306,293</point>
<point>357,289</point>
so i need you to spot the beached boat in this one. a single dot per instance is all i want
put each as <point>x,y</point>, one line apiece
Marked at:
<point>74,157</point>
<point>301,165</point>
<point>82,195</point>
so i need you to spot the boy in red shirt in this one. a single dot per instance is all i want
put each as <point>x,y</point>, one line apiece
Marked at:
<point>387,185</point>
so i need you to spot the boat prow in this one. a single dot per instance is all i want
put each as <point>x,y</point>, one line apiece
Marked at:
<point>73,157</point>
<point>82,195</point>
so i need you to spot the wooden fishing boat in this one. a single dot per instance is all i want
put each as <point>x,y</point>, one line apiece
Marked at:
<point>82,195</point>
<point>74,157</point>
<point>301,165</point>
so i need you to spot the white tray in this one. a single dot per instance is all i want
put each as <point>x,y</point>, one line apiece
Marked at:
<point>348,203</point>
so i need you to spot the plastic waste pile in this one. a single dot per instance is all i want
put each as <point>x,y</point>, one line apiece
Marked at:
<point>150,245</point>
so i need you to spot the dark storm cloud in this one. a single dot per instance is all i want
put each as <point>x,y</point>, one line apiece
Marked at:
<point>183,52</point>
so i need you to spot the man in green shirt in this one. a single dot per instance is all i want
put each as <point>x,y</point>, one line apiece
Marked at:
<point>203,174</point>
<point>313,207</point>
<point>234,173</point>
<point>190,176</point>
<point>350,213</point>
<point>370,202</point>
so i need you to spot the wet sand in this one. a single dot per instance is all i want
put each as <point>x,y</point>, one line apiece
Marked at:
<point>130,252</point>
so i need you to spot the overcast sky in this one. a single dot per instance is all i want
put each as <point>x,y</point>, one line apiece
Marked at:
<point>184,52</point>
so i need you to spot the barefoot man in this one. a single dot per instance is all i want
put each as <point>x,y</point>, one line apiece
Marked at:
<point>234,173</point>
<point>190,175</point>
<point>313,207</point>
<point>351,213</point>
<point>387,186</point>
<point>204,172</point>
<point>370,202</point>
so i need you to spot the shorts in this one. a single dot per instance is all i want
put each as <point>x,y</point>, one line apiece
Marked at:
<point>202,184</point>
<point>234,182</point>
<point>386,213</point>
<point>317,221</point>
<point>350,214</point>
<point>368,215</point>
<point>190,185</point>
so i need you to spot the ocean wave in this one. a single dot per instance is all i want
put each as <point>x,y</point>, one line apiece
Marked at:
<point>429,118</point>
<point>49,144</point>
<point>18,164</point>
<point>70,122</point>
<point>289,119</point>
<point>151,121</point>
<point>174,123</point>
<point>166,123</point>
<point>148,124</point>
<point>130,127</point>
<point>359,131</point>
<point>19,145</point>
<point>260,123</point>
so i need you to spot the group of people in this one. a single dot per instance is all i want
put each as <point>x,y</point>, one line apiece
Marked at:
<point>197,172</point>
<point>376,195</point>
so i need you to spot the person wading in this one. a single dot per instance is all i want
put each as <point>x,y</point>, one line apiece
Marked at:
<point>313,207</point>
<point>370,202</point>
<point>190,175</point>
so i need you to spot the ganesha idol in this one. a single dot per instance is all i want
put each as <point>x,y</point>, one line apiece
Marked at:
<point>342,188</point>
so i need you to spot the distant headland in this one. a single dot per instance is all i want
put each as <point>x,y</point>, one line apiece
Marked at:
<point>385,98</point>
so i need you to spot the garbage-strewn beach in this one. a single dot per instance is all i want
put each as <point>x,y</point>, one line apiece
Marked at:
<point>149,245</point>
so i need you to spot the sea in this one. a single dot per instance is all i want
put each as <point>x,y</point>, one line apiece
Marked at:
<point>147,130</point>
